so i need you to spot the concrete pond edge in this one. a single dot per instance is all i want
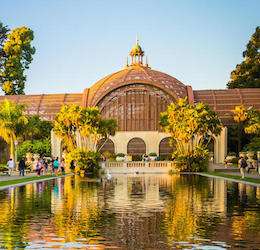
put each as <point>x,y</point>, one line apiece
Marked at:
<point>34,181</point>
<point>230,179</point>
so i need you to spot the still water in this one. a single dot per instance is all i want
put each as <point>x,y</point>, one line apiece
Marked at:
<point>141,212</point>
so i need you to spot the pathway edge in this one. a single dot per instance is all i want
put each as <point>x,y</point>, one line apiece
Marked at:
<point>34,181</point>
<point>229,179</point>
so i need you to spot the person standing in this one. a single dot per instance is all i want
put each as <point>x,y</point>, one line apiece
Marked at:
<point>10,165</point>
<point>243,165</point>
<point>56,166</point>
<point>21,167</point>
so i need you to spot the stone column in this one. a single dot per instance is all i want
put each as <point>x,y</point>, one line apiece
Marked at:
<point>55,146</point>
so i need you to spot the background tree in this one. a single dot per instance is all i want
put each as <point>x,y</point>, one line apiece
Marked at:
<point>189,125</point>
<point>15,56</point>
<point>240,115</point>
<point>3,36</point>
<point>253,122</point>
<point>247,73</point>
<point>38,132</point>
<point>37,129</point>
<point>12,116</point>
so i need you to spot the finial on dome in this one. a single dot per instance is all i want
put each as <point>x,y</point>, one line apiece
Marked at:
<point>146,62</point>
<point>126,62</point>
<point>137,54</point>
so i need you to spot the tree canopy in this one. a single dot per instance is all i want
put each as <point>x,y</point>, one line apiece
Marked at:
<point>12,118</point>
<point>74,121</point>
<point>189,125</point>
<point>15,56</point>
<point>247,73</point>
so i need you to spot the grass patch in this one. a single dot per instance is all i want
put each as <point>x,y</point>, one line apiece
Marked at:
<point>253,180</point>
<point>22,180</point>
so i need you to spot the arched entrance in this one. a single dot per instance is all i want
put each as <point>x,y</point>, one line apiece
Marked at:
<point>210,142</point>
<point>165,150</point>
<point>136,146</point>
<point>108,146</point>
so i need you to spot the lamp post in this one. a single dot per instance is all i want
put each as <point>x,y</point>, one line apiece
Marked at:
<point>15,154</point>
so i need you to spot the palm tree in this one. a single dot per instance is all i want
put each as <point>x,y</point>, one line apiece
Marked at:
<point>12,118</point>
<point>240,115</point>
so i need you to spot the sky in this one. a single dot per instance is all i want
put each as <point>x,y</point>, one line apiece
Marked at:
<point>78,42</point>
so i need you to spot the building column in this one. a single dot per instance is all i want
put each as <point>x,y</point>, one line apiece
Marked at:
<point>55,146</point>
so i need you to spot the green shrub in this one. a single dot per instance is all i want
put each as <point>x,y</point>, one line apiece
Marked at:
<point>3,167</point>
<point>253,145</point>
<point>41,147</point>
<point>120,155</point>
<point>197,161</point>
<point>85,161</point>
<point>153,154</point>
<point>232,154</point>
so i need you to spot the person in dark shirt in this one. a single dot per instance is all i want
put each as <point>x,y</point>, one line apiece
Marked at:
<point>21,167</point>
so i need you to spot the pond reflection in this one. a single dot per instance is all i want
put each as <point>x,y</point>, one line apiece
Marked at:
<point>131,212</point>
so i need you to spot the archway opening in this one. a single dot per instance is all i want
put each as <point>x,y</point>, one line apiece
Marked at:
<point>107,147</point>
<point>165,149</point>
<point>136,147</point>
<point>209,141</point>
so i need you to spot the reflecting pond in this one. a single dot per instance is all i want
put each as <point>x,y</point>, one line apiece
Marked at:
<point>131,212</point>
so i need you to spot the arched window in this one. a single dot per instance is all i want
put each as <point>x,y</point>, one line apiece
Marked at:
<point>136,107</point>
<point>165,150</point>
<point>136,146</point>
<point>107,147</point>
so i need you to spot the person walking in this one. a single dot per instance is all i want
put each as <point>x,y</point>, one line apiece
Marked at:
<point>242,166</point>
<point>56,166</point>
<point>39,167</point>
<point>72,165</point>
<point>62,166</point>
<point>21,167</point>
<point>10,165</point>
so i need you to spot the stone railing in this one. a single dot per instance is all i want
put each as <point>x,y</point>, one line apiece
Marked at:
<point>138,164</point>
<point>161,164</point>
<point>113,164</point>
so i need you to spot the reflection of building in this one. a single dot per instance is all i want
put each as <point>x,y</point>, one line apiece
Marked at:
<point>135,97</point>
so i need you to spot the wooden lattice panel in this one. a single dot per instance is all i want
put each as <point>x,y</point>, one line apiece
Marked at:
<point>136,146</point>
<point>223,101</point>
<point>46,106</point>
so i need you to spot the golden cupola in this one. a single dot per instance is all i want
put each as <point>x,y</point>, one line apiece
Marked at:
<point>136,54</point>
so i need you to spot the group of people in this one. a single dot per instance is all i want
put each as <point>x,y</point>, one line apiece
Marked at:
<point>244,166</point>
<point>42,166</point>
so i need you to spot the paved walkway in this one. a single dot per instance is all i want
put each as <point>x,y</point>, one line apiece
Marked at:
<point>220,168</point>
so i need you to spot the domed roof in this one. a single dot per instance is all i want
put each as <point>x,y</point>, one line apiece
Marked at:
<point>133,75</point>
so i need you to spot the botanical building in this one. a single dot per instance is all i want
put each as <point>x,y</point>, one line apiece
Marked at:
<point>135,97</point>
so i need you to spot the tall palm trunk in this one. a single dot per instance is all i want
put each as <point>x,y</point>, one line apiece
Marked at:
<point>12,148</point>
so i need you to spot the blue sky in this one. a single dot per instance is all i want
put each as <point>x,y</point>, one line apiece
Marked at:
<point>78,42</point>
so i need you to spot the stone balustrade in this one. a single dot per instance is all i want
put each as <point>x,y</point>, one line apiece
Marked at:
<point>138,166</point>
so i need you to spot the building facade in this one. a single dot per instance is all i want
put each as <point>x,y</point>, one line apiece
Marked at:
<point>135,97</point>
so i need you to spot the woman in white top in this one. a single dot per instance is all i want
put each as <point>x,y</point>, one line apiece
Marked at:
<point>10,165</point>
